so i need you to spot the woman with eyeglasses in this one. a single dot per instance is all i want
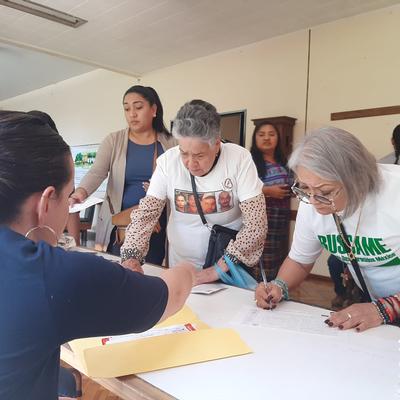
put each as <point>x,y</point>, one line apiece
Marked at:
<point>349,205</point>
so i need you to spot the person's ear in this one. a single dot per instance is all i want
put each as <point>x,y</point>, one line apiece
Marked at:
<point>48,195</point>
<point>154,110</point>
<point>218,144</point>
<point>392,140</point>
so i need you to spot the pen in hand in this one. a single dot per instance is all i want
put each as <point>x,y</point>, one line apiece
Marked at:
<point>264,278</point>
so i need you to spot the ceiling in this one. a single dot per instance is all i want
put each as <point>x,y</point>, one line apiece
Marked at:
<point>139,36</point>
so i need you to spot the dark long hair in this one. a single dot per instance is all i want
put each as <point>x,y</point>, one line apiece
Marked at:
<point>45,118</point>
<point>148,93</point>
<point>32,157</point>
<point>396,143</point>
<point>257,155</point>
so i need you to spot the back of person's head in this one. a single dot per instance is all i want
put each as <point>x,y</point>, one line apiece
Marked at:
<point>257,155</point>
<point>336,155</point>
<point>149,94</point>
<point>396,143</point>
<point>33,156</point>
<point>197,119</point>
<point>44,117</point>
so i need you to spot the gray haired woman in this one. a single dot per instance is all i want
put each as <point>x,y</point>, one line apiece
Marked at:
<point>217,167</point>
<point>349,205</point>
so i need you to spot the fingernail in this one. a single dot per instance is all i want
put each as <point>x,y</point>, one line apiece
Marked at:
<point>340,326</point>
<point>330,323</point>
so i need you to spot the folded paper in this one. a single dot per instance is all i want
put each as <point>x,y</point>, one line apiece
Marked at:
<point>154,353</point>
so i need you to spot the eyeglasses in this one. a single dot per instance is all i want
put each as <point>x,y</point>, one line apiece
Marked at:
<point>305,197</point>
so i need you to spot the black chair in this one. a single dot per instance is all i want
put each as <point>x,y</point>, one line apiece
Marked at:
<point>86,223</point>
<point>69,383</point>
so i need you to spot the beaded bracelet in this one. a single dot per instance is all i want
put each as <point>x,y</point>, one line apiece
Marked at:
<point>283,286</point>
<point>383,311</point>
<point>394,304</point>
<point>379,312</point>
<point>388,308</point>
<point>127,254</point>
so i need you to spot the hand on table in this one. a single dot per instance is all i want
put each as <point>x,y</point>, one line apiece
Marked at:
<point>268,297</point>
<point>360,316</point>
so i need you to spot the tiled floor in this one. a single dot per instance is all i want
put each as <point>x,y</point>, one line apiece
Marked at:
<point>315,291</point>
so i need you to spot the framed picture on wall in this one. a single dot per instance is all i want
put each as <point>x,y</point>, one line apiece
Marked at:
<point>233,126</point>
<point>84,156</point>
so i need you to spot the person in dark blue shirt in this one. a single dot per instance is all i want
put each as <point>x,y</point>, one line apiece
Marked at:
<point>49,296</point>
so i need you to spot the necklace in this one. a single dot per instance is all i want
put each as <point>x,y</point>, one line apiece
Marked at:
<point>138,139</point>
<point>345,239</point>
<point>49,228</point>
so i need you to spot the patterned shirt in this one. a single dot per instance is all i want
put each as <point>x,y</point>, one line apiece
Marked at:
<point>276,174</point>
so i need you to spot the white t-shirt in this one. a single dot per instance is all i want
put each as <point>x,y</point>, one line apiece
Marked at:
<point>234,178</point>
<point>377,244</point>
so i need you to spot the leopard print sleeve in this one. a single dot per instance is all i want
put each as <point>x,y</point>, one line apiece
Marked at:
<point>138,232</point>
<point>249,243</point>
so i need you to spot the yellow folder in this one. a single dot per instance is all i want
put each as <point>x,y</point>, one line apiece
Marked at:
<point>153,353</point>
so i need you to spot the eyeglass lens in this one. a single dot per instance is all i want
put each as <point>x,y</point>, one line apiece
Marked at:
<point>305,197</point>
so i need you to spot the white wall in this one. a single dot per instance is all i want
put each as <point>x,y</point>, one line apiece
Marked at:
<point>266,78</point>
<point>355,64</point>
<point>85,108</point>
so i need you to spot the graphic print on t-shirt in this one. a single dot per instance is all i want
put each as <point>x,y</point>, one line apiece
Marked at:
<point>366,249</point>
<point>211,202</point>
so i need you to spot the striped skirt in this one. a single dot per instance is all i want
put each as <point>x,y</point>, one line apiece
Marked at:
<point>276,243</point>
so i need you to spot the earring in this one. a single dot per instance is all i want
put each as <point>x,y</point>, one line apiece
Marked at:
<point>46,227</point>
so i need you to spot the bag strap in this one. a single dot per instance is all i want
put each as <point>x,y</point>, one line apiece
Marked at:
<point>197,201</point>
<point>110,205</point>
<point>155,155</point>
<point>353,260</point>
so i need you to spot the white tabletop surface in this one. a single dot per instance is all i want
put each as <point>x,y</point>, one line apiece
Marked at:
<point>285,364</point>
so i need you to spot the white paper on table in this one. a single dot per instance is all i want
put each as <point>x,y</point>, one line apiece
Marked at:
<point>165,330</point>
<point>280,319</point>
<point>78,207</point>
<point>208,288</point>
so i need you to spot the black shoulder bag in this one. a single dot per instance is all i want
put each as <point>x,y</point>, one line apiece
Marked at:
<point>220,235</point>
<point>353,260</point>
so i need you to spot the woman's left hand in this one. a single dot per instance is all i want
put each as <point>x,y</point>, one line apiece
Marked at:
<point>360,316</point>
<point>145,186</point>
